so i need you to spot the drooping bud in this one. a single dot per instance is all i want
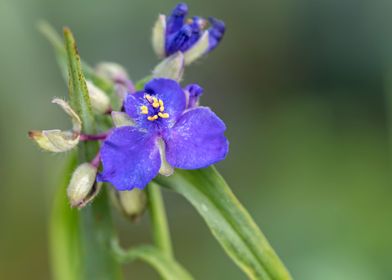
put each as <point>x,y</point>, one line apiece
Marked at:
<point>198,49</point>
<point>56,140</point>
<point>121,119</point>
<point>131,203</point>
<point>158,36</point>
<point>171,68</point>
<point>166,169</point>
<point>83,187</point>
<point>100,102</point>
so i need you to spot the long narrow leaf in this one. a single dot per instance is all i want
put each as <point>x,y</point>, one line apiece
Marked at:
<point>229,222</point>
<point>96,228</point>
<point>78,93</point>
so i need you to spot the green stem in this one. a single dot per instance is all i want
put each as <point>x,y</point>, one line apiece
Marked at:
<point>96,228</point>
<point>166,266</point>
<point>160,228</point>
<point>64,232</point>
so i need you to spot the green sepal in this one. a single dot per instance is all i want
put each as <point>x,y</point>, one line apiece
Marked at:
<point>141,83</point>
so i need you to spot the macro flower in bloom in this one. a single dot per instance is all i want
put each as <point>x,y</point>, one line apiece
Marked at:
<point>169,129</point>
<point>193,36</point>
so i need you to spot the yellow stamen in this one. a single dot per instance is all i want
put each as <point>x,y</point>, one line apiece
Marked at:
<point>162,109</point>
<point>144,110</point>
<point>148,97</point>
<point>160,102</point>
<point>155,103</point>
<point>152,118</point>
<point>163,115</point>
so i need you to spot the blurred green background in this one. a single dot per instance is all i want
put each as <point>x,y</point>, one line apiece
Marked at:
<point>301,87</point>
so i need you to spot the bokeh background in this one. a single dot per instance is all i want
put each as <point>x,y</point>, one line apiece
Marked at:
<point>302,87</point>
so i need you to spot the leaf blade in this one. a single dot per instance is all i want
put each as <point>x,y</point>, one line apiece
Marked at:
<point>78,92</point>
<point>229,222</point>
<point>95,223</point>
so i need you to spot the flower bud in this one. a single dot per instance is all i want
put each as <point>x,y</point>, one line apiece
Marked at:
<point>131,203</point>
<point>111,71</point>
<point>100,102</point>
<point>117,74</point>
<point>171,68</point>
<point>121,119</point>
<point>83,187</point>
<point>198,49</point>
<point>56,140</point>
<point>158,36</point>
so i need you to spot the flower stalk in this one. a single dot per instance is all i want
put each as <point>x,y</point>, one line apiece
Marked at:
<point>160,227</point>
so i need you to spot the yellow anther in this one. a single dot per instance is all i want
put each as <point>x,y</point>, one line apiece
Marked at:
<point>152,118</point>
<point>144,109</point>
<point>155,103</point>
<point>160,102</point>
<point>148,97</point>
<point>161,108</point>
<point>163,115</point>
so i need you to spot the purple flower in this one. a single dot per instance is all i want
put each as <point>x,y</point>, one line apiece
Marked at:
<point>169,129</point>
<point>193,36</point>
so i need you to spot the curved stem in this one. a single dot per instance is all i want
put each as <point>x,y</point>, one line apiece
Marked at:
<point>160,228</point>
<point>166,266</point>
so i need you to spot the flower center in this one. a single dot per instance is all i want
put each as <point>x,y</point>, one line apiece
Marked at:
<point>158,108</point>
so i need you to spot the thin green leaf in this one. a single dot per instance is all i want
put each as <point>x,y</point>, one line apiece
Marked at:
<point>166,266</point>
<point>63,232</point>
<point>96,227</point>
<point>229,222</point>
<point>78,93</point>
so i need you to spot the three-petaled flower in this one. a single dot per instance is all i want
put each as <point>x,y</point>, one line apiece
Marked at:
<point>170,128</point>
<point>193,36</point>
